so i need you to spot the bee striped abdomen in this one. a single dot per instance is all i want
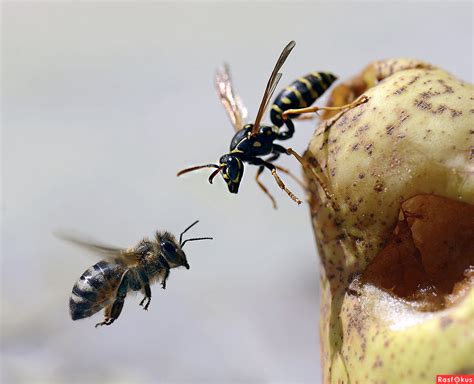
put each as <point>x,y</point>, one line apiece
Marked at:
<point>95,289</point>
<point>300,94</point>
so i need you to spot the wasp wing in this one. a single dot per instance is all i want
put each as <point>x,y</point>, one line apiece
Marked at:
<point>232,103</point>
<point>124,256</point>
<point>271,85</point>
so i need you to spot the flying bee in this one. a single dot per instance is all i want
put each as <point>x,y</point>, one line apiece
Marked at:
<point>253,141</point>
<point>105,284</point>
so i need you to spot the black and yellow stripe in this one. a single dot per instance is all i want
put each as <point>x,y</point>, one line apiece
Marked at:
<point>300,94</point>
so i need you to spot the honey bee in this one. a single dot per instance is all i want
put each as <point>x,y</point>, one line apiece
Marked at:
<point>105,284</point>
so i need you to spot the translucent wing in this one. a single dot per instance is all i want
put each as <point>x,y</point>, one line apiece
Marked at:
<point>231,102</point>
<point>272,90</point>
<point>119,255</point>
<point>271,85</point>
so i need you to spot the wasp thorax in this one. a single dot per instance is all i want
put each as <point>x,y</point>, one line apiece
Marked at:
<point>232,171</point>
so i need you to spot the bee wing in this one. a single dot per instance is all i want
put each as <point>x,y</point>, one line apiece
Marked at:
<point>119,255</point>
<point>232,103</point>
<point>271,85</point>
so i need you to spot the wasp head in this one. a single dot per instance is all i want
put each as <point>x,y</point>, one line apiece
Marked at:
<point>232,170</point>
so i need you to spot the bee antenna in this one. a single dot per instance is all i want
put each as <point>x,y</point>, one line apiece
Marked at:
<point>195,239</point>
<point>196,168</point>
<point>214,174</point>
<point>186,230</point>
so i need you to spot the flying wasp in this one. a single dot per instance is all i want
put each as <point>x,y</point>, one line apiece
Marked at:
<point>252,141</point>
<point>106,284</point>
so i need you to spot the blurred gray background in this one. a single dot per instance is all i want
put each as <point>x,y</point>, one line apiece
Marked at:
<point>102,104</point>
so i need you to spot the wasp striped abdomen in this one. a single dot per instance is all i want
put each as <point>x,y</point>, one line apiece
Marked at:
<point>300,94</point>
<point>95,289</point>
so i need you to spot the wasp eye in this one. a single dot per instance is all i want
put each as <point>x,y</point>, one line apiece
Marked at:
<point>168,247</point>
<point>232,172</point>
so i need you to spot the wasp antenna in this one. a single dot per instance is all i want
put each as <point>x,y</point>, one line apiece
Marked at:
<point>183,171</point>
<point>214,174</point>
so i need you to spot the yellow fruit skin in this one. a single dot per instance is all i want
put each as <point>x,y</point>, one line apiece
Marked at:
<point>414,136</point>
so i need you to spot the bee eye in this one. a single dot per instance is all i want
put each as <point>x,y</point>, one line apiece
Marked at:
<point>168,247</point>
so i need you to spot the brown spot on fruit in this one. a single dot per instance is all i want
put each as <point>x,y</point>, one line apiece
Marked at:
<point>399,91</point>
<point>413,80</point>
<point>353,207</point>
<point>440,109</point>
<point>445,321</point>
<point>379,186</point>
<point>378,362</point>
<point>368,148</point>
<point>389,129</point>
<point>422,104</point>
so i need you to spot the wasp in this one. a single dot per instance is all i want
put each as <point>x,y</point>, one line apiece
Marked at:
<point>106,284</point>
<point>253,141</point>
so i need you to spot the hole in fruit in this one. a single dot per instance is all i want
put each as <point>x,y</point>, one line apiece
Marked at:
<point>429,258</point>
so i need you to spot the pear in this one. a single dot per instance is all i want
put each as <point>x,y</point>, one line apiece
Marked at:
<point>391,191</point>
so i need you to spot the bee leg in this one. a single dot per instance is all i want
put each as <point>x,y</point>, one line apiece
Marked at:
<point>147,297</point>
<point>167,268</point>
<point>264,189</point>
<point>146,287</point>
<point>112,312</point>
<point>360,100</point>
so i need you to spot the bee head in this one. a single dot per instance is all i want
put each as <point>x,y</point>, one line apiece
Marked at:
<point>172,251</point>
<point>232,170</point>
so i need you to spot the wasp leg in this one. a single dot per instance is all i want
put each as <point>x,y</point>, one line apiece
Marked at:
<point>273,170</point>
<point>166,266</point>
<point>289,173</point>
<point>306,165</point>
<point>281,184</point>
<point>112,312</point>
<point>267,164</point>
<point>278,149</point>
<point>304,117</point>
<point>360,100</point>
<point>264,189</point>
<point>147,289</point>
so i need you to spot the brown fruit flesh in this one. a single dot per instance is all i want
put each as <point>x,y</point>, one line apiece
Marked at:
<point>430,252</point>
